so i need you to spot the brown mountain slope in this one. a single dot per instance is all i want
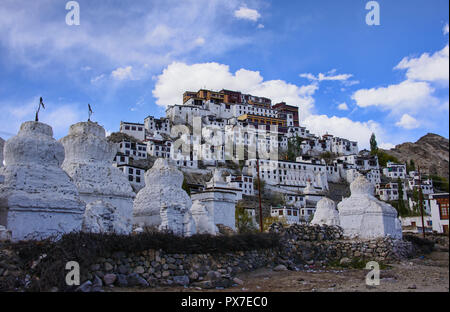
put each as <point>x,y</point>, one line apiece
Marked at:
<point>430,152</point>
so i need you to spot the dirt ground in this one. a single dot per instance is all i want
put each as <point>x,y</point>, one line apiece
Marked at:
<point>424,274</point>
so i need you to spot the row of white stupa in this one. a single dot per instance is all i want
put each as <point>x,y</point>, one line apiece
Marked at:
<point>361,215</point>
<point>50,187</point>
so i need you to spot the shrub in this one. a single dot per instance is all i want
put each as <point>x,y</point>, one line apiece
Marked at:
<point>384,157</point>
<point>423,245</point>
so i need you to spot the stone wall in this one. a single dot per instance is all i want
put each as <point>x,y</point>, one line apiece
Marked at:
<point>301,247</point>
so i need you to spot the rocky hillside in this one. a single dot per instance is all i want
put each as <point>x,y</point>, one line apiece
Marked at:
<point>430,152</point>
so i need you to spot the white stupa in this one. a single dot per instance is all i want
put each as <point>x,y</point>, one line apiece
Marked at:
<point>364,216</point>
<point>162,202</point>
<point>88,162</point>
<point>37,199</point>
<point>102,217</point>
<point>309,189</point>
<point>219,200</point>
<point>204,221</point>
<point>326,213</point>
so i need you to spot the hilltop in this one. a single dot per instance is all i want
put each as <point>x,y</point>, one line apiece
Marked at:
<point>430,152</point>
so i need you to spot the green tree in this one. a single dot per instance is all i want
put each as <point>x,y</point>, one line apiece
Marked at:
<point>383,158</point>
<point>415,199</point>
<point>276,199</point>
<point>401,207</point>
<point>411,166</point>
<point>244,221</point>
<point>327,156</point>
<point>262,184</point>
<point>186,187</point>
<point>293,150</point>
<point>373,144</point>
<point>440,183</point>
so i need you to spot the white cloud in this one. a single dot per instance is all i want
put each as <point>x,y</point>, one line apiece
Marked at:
<point>86,68</point>
<point>260,26</point>
<point>308,76</point>
<point>427,67</point>
<point>408,122</point>
<point>386,146</point>
<point>146,33</point>
<point>123,73</point>
<point>349,83</point>
<point>246,13</point>
<point>445,29</point>
<point>199,41</point>
<point>97,78</point>
<point>409,96</point>
<point>345,128</point>
<point>328,76</point>
<point>341,77</point>
<point>160,34</point>
<point>343,106</point>
<point>418,95</point>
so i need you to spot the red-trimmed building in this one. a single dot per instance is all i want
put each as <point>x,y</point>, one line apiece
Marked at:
<point>288,109</point>
<point>439,212</point>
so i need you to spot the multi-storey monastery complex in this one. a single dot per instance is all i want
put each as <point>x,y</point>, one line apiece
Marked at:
<point>215,123</point>
<point>187,172</point>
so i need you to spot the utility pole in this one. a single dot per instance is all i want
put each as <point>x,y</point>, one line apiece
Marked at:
<point>259,198</point>
<point>421,200</point>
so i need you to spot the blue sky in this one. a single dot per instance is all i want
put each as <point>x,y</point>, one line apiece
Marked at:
<point>130,59</point>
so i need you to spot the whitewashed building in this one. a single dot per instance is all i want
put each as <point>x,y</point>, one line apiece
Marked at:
<point>295,200</point>
<point>135,175</point>
<point>155,126</point>
<point>395,171</point>
<point>136,150</point>
<point>414,224</point>
<point>159,147</point>
<point>361,162</point>
<point>439,212</point>
<point>414,182</point>
<point>136,130</point>
<point>291,175</point>
<point>290,214</point>
<point>389,191</point>
<point>242,182</point>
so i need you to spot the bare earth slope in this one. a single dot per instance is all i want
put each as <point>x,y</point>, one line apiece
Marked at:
<point>430,152</point>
